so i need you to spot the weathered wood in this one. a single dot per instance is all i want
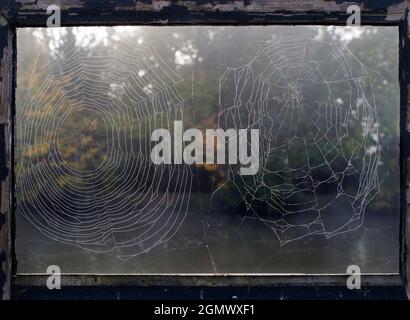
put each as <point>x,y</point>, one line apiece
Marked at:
<point>404,66</point>
<point>7,59</point>
<point>404,78</point>
<point>210,280</point>
<point>157,12</point>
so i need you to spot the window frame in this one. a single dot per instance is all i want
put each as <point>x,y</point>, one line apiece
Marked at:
<point>19,14</point>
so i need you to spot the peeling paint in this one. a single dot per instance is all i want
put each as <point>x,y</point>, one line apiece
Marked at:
<point>397,12</point>
<point>33,13</point>
<point>3,21</point>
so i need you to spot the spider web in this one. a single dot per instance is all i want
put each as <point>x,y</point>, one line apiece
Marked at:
<point>319,151</point>
<point>86,177</point>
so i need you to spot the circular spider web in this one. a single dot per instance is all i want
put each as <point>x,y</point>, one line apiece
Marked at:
<point>86,177</point>
<point>313,104</point>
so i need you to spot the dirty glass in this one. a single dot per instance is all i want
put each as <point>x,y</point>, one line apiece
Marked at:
<point>117,170</point>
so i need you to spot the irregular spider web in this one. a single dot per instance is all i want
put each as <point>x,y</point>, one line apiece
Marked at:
<point>313,104</point>
<point>86,177</point>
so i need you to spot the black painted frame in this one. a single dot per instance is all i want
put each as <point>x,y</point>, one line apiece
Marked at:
<point>23,13</point>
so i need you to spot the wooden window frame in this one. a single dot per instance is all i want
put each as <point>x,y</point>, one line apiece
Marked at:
<point>23,13</point>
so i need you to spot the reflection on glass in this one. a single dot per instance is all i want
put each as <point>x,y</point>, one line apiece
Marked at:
<point>325,194</point>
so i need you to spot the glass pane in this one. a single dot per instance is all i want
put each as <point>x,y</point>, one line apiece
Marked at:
<point>120,168</point>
